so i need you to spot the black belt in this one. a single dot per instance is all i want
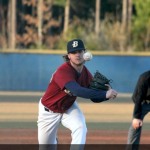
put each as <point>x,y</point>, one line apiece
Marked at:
<point>46,109</point>
<point>146,101</point>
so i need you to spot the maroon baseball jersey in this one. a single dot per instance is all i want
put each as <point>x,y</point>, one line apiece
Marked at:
<point>56,97</point>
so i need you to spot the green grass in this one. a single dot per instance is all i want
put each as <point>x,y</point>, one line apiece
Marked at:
<point>92,125</point>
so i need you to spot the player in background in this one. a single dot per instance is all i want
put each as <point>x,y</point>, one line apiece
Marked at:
<point>141,99</point>
<point>58,105</point>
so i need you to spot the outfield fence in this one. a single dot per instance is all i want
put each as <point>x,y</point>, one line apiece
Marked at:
<point>31,70</point>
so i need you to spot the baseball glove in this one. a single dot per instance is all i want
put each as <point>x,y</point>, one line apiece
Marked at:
<point>98,83</point>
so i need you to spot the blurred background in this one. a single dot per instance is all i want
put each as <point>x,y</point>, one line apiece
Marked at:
<point>33,38</point>
<point>107,25</point>
<point>34,34</point>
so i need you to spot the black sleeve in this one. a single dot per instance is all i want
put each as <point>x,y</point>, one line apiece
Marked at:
<point>83,92</point>
<point>138,96</point>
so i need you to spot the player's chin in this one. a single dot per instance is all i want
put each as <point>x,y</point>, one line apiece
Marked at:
<point>81,62</point>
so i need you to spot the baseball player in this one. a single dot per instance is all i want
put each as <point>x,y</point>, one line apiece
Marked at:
<point>141,98</point>
<point>58,105</point>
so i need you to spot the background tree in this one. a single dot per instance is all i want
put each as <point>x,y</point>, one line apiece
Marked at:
<point>3,24</point>
<point>141,25</point>
<point>129,15</point>
<point>13,24</point>
<point>30,36</point>
<point>9,23</point>
<point>97,16</point>
<point>66,19</point>
<point>123,25</point>
<point>124,13</point>
<point>118,30</point>
<point>40,22</point>
<point>129,23</point>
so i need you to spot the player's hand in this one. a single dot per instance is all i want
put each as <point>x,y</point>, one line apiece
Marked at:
<point>111,94</point>
<point>136,123</point>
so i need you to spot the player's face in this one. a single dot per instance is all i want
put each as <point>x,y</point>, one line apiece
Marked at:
<point>76,57</point>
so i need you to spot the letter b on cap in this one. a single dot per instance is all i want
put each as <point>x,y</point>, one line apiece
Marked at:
<point>75,43</point>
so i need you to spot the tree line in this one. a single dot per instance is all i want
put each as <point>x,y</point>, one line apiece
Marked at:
<point>110,25</point>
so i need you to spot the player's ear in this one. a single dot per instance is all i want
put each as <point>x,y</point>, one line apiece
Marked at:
<point>68,56</point>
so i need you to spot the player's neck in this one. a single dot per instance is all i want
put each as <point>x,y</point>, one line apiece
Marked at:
<point>78,68</point>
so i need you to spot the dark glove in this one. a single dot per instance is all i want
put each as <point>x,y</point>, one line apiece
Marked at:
<point>98,83</point>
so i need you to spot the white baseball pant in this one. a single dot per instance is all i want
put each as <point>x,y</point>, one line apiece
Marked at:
<point>72,119</point>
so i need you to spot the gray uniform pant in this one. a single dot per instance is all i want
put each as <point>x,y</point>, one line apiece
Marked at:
<point>134,136</point>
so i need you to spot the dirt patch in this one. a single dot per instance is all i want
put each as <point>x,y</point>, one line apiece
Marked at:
<point>29,136</point>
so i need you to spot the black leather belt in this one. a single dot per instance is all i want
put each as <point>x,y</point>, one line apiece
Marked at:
<point>146,102</point>
<point>46,109</point>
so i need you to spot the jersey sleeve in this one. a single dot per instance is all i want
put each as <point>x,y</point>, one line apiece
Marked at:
<point>63,76</point>
<point>83,92</point>
<point>138,96</point>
